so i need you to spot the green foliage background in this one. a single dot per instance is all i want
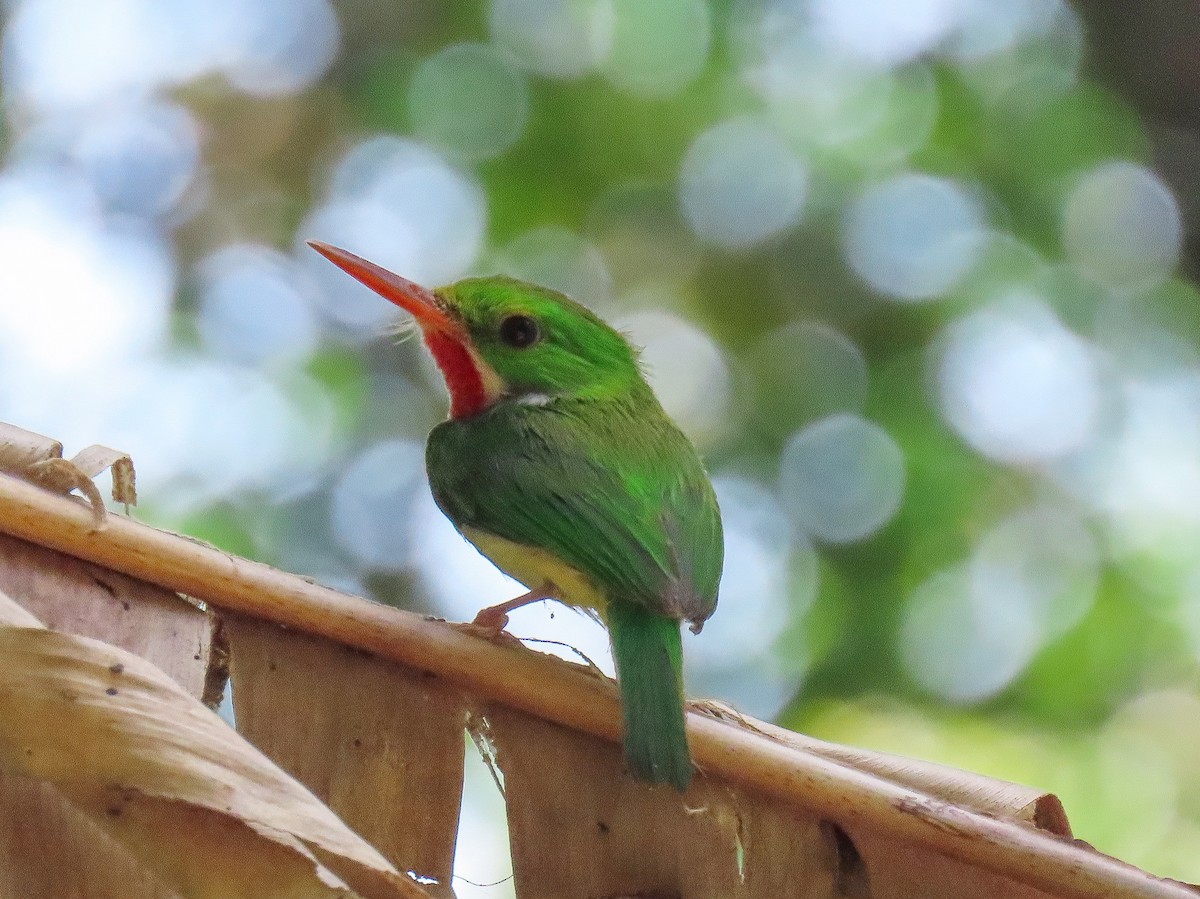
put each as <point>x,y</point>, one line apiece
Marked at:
<point>1100,707</point>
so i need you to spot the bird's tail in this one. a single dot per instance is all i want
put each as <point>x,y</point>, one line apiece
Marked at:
<point>649,657</point>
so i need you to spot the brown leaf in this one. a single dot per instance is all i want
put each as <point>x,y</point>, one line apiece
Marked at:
<point>382,745</point>
<point>39,828</point>
<point>745,758</point>
<point>20,448</point>
<point>96,458</point>
<point>77,597</point>
<point>39,460</point>
<point>168,779</point>
<point>613,836</point>
<point>988,795</point>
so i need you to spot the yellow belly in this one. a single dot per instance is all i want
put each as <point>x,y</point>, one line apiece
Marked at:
<point>536,568</point>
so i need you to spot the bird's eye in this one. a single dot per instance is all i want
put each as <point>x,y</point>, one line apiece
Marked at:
<point>520,331</point>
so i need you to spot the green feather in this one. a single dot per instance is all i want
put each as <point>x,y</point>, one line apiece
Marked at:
<point>649,657</point>
<point>559,463</point>
<point>610,487</point>
<point>577,459</point>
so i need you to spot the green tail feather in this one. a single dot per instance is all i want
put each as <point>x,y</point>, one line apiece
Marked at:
<point>649,657</point>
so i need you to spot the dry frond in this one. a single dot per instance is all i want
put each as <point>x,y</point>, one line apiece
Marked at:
<point>165,779</point>
<point>366,704</point>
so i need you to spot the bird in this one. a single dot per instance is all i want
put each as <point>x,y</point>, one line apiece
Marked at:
<point>559,464</point>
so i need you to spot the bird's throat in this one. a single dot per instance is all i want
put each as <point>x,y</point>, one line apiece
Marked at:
<point>473,385</point>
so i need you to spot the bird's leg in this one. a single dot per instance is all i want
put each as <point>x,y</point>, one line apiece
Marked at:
<point>496,617</point>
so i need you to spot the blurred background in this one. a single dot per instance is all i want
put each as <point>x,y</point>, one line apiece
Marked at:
<point>913,275</point>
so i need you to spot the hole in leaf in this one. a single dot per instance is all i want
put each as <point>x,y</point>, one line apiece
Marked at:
<point>850,872</point>
<point>482,859</point>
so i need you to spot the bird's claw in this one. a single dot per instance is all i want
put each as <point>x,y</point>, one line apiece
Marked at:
<point>494,618</point>
<point>487,631</point>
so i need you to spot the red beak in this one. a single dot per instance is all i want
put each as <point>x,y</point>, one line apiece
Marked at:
<point>411,297</point>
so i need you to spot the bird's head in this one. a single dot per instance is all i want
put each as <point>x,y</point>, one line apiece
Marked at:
<point>500,338</point>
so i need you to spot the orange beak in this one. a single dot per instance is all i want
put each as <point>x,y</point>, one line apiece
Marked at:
<point>410,297</point>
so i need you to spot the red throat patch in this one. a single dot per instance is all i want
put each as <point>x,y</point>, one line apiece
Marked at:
<point>467,394</point>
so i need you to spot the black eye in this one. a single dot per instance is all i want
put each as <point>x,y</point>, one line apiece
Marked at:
<point>520,331</point>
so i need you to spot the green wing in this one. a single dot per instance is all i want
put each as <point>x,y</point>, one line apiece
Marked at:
<point>612,488</point>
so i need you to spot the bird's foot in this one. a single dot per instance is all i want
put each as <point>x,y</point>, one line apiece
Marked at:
<point>491,622</point>
<point>486,631</point>
<point>493,617</point>
<point>496,617</point>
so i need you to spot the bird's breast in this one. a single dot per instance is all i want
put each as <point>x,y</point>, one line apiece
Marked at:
<point>536,567</point>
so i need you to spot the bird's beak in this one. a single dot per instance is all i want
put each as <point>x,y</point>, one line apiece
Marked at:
<point>413,298</point>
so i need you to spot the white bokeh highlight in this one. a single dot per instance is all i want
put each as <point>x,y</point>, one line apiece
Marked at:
<point>1122,226</point>
<point>985,28</point>
<point>89,294</point>
<point>403,206</point>
<point>140,158</point>
<point>558,258</point>
<point>816,92</point>
<point>841,478</point>
<point>914,236</point>
<point>884,32</point>
<point>1043,560</point>
<point>281,46</point>
<point>79,291</point>
<point>770,577</point>
<point>686,369</point>
<point>556,38</point>
<point>961,647</point>
<point>68,54</point>
<point>470,100</point>
<point>657,48</point>
<point>1017,384</point>
<point>741,183</point>
<point>373,500</point>
<point>255,307</point>
<point>1144,476</point>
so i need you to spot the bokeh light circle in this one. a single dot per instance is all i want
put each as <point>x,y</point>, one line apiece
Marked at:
<point>687,370</point>
<point>1122,225</point>
<point>558,38</point>
<point>817,93</point>
<point>560,259</point>
<point>403,206</point>
<point>735,657</point>
<point>740,183</point>
<point>809,370</point>
<point>141,158</point>
<point>63,54</point>
<point>758,541</point>
<point>657,48</point>
<point>914,236</point>
<point>841,478</point>
<point>373,500</point>
<point>1017,384</point>
<point>1145,475</point>
<point>985,28</point>
<point>884,32</point>
<point>470,100</point>
<point>1043,559</point>
<point>959,648</point>
<point>281,46</point>
<point>80,292</point>
<point>254,307</point>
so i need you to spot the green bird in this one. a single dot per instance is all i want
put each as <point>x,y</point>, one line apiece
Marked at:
<point>559,464</point>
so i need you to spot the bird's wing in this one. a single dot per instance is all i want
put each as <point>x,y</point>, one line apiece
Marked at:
<point>621,497</point>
